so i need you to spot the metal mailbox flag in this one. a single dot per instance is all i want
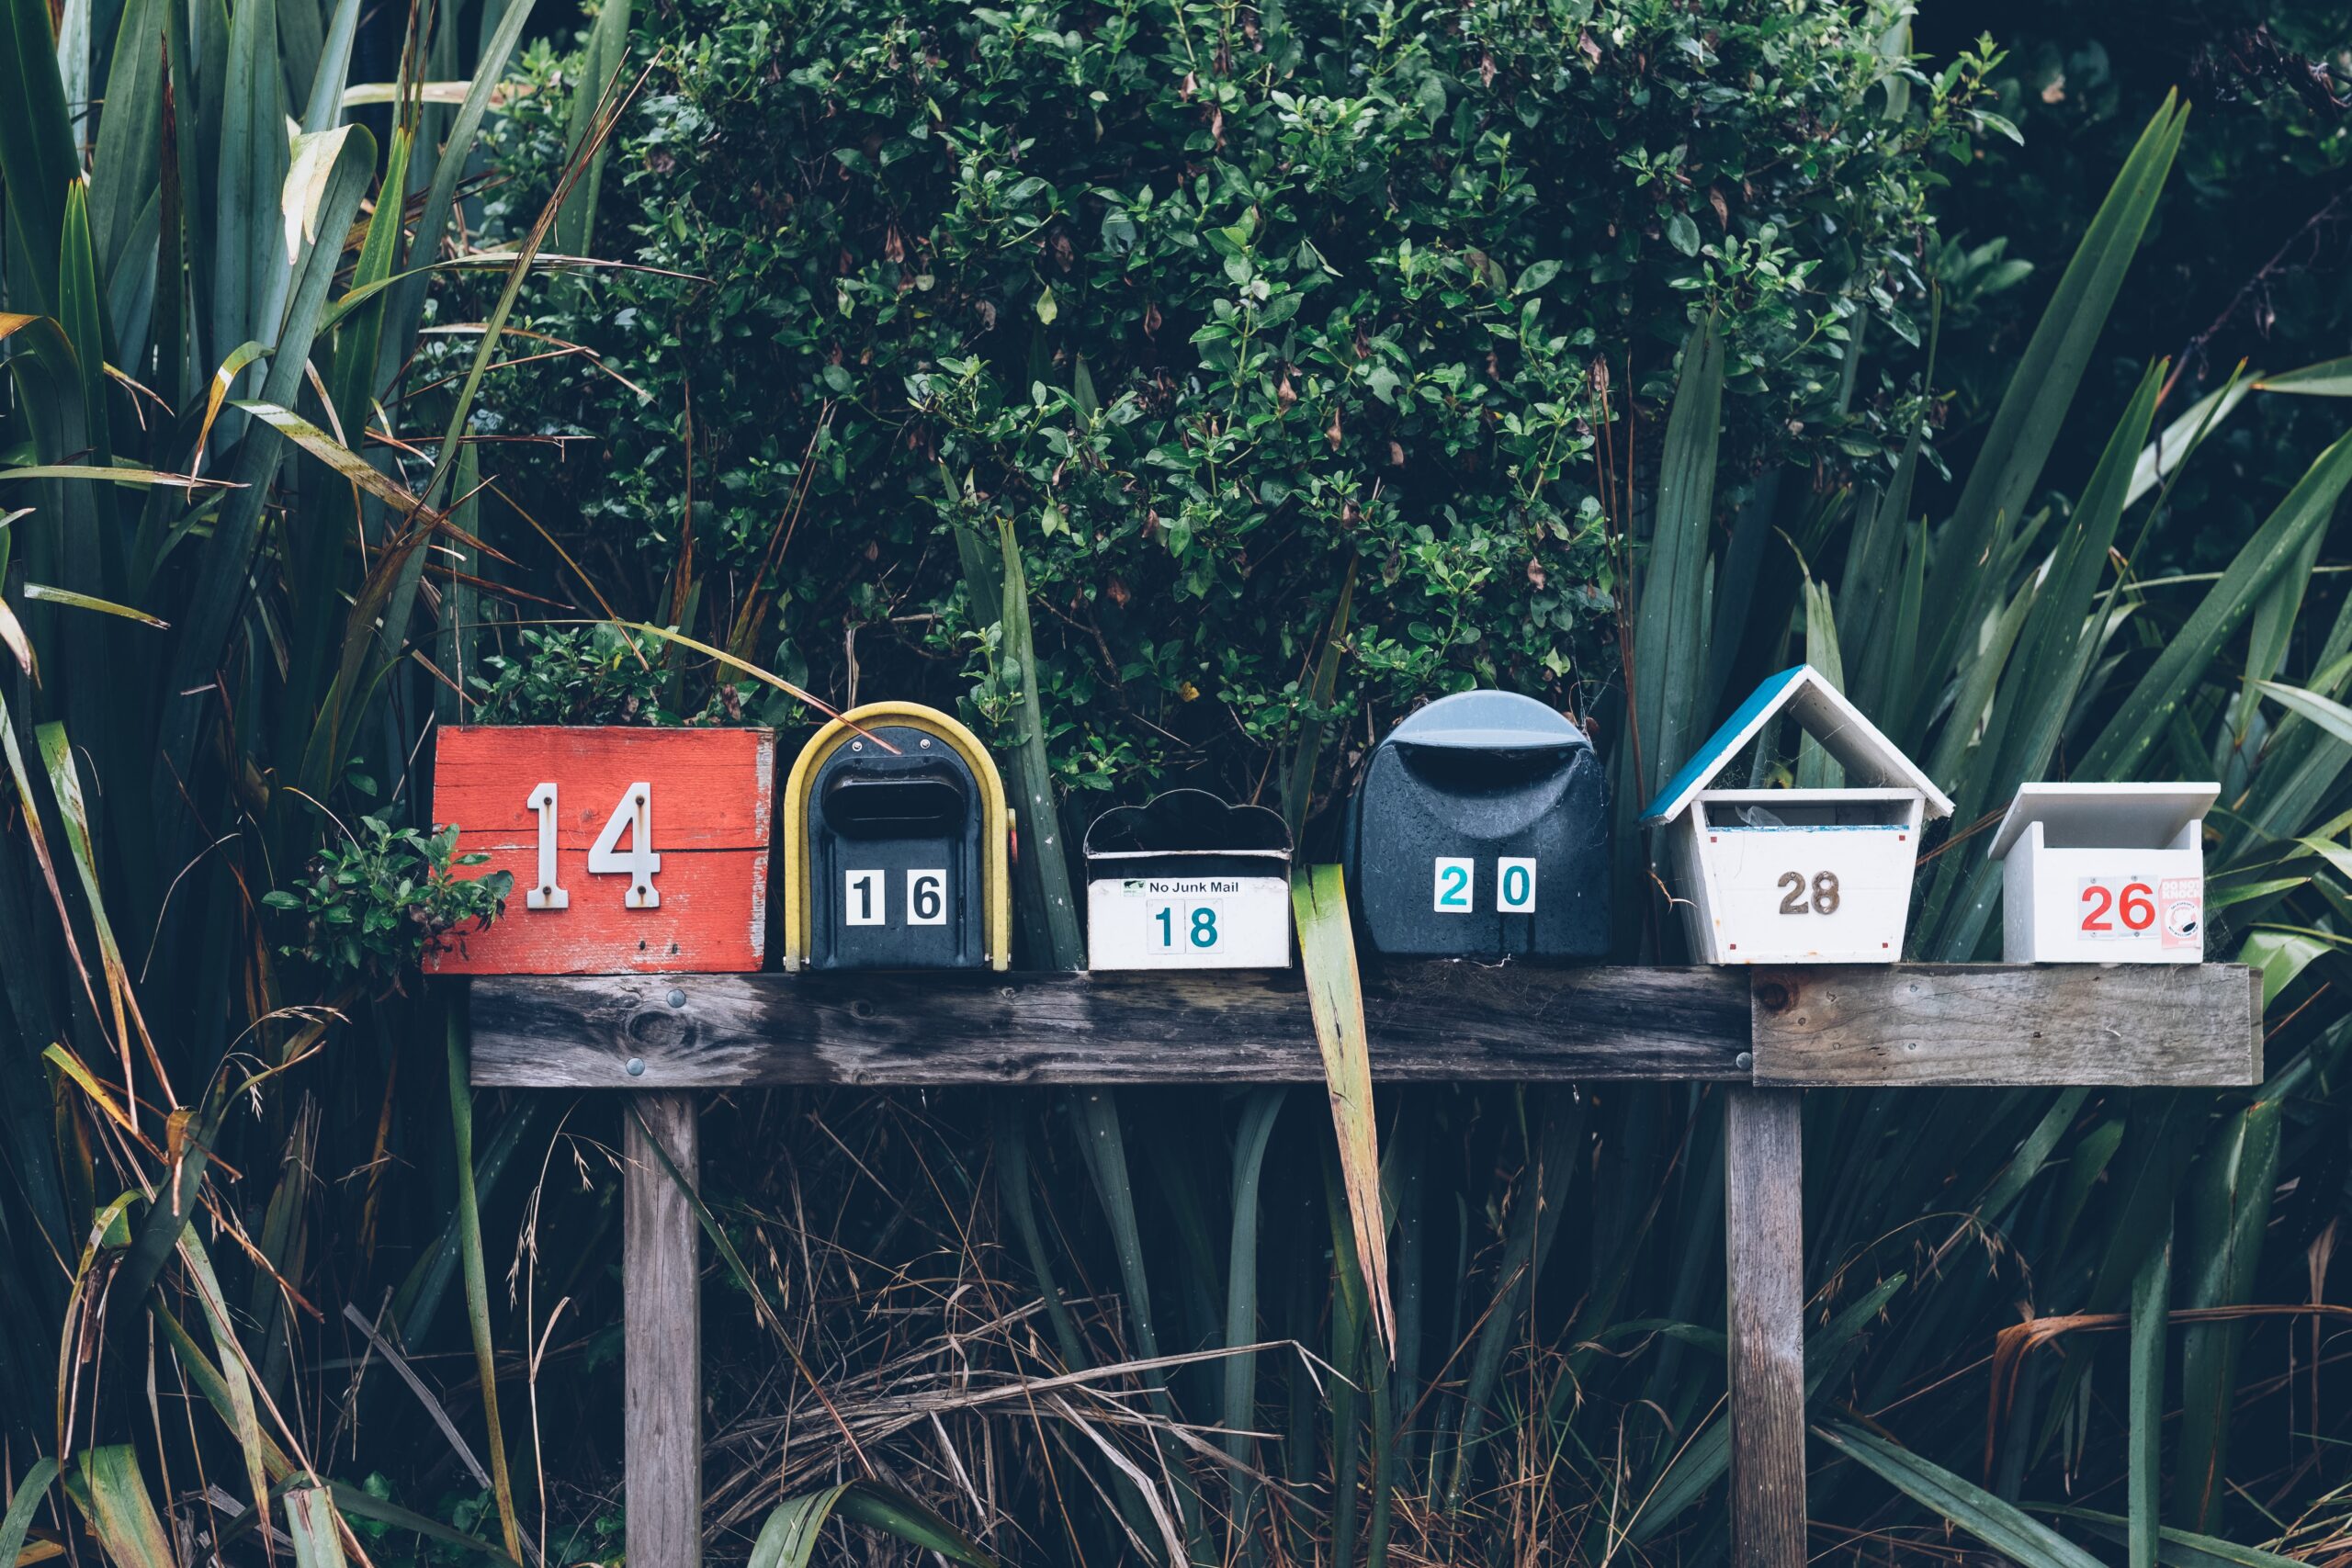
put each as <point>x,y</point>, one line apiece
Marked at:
<point>1481,830</point>
<point>897,846</point>
<point>1796,875</point>
<point>633,851</point>
<point>1188,882</point>
<point>2104,874</point>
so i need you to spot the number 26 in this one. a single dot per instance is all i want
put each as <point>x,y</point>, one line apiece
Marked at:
<point>2137,905</point>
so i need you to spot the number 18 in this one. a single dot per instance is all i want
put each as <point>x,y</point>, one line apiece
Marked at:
<point>1203,930</point>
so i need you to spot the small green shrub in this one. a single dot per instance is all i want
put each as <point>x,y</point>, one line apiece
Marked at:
<point>602,674</point>
<point>375,904</point>
<point>584,675</point>
<point>1211,300</point>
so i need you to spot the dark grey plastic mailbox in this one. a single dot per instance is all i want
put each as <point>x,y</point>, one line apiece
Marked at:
<point>1481,830</point>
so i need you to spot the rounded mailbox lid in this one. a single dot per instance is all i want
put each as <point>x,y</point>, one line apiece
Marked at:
<point>1180,821</point>
<point>1488,721</point>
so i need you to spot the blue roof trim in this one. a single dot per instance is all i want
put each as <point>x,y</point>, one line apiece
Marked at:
<point>1868,758</point>
<point>1733,732</point>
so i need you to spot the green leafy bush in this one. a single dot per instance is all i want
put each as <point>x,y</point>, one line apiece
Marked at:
<point>597,674</point>
<point>375,904</point>
<point>1211,301</point>
<point>588,675</point>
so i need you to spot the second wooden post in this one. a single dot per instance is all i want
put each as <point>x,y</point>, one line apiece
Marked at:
<point>1764,1253</point>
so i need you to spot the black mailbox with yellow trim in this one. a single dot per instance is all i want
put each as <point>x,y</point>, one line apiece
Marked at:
<point>897,846</point>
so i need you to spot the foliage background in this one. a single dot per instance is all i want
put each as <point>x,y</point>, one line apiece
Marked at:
<point>786,443</point>
<point>2248,259</point>
<point>1214,303</point>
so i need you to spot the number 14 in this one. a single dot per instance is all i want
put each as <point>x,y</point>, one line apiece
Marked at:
<point>634,816</point>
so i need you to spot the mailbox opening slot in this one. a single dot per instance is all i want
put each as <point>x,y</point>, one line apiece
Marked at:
<point>1771,811</point>
<point>2125,824</point>
<point>930,804</point>
<point>1463,770</point>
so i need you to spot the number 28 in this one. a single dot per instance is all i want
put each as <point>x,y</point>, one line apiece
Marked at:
<point>1824,892</point>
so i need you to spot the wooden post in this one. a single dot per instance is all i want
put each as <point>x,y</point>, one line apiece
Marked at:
<point>661,1332</point>
<point>1764,1254</point>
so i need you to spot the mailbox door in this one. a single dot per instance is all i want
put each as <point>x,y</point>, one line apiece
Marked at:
<point>1464,853</point>
<point>2103,906</point>
<point>1186,912</point>
<point>894,857</point>
<point>1807,895</point>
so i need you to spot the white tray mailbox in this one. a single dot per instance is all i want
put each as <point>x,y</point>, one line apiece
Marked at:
<point>1796,875</point>
<point>1188,882</point>
<point>2104,874</point>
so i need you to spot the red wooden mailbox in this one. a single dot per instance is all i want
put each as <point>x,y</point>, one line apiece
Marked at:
<point>633,851</point>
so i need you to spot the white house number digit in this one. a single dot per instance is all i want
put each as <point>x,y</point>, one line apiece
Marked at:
<point>547,893</point>
<point>1456,891</point>
<point>1823,889</point>
<point>865,897</point>
<point>926,897</point>
<point>633,815</point>
<point>861,902</point>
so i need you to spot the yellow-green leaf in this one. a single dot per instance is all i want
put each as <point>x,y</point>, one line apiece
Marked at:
<point>43,590</point>
<point>112,1494</point>
<point>1326,955</point>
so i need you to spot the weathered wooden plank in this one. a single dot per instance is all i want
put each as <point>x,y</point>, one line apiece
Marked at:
<point>661,1334</point>
<point>1764,1257</point>
<point>1997,1023</point>
<point>709,798</point>
<point>1427,1021</point>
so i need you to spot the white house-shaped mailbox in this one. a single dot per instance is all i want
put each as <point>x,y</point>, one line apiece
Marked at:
<point>1188,882</point>
<point>2104,874</point>
<point>1796,875</point>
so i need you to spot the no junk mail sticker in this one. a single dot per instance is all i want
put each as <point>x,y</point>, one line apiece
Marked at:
<point>633,851</point>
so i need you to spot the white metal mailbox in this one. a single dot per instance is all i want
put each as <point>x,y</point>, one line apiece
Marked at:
<point>1796,875</point>
<point>1188,882</point>
<point>2104,874</point>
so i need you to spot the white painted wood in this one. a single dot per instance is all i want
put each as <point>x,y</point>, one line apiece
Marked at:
<point>2104,874</point>
<point>1148,921</point>
<point>1795,876</point>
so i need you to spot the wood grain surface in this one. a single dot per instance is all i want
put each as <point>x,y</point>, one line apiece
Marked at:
<point>713,797</point>
<point>661,1332</point>
<point>1434,1022</point>
<point>1926,1025</point>
<point>1764,1257</point>
<point>1952,1024</point>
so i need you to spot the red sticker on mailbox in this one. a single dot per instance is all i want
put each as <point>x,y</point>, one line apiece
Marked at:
<point>2181,902</point>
